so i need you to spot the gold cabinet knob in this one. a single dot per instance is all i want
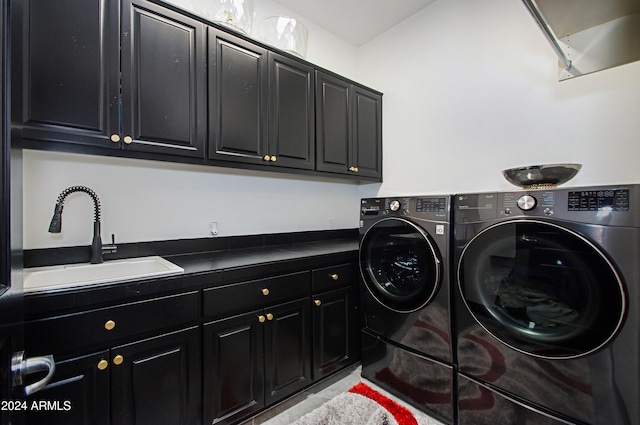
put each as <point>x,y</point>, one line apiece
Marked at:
<point>265,291</point>
<point>335,276</point>
<point>273,158</point>
<point>269,316</point>
<point>352,168</point>
<point>103,364</point>
<point>355,169</point>
<point>109,325</point>
<point>261,319</point>
<point>115,138</point>
<point>128,140</point>
<point>317,302</point>
<point>117,360</point>
<point>266,158</point>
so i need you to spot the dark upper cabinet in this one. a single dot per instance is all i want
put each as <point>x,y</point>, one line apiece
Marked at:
<point>348,128</point>
<point>163,80</point>
<point>238,90</point>
<point>142,78</point>
<point>261,105</point>
<point>74,92</point>
<point>70,73</point>
<point>291,113</point>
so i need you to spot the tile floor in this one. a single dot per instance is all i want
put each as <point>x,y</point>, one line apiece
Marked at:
<point>313,397</point>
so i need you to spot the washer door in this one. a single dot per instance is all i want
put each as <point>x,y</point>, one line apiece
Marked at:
<point>400,264</point>
<point>541,289</point>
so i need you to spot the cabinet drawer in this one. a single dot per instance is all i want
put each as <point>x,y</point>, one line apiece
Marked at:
<point>255,294</point>
<point>332,277</point>
<point>102,326</point>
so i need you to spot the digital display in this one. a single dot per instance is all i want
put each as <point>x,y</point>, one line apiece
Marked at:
<point>599,200</point>
<point>431,205</point>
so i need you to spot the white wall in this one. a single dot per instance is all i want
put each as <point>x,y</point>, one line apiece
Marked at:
<point>145,201</point>
<point>470,88</point>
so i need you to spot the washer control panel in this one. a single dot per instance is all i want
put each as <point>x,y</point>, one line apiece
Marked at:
<point>598,200</point>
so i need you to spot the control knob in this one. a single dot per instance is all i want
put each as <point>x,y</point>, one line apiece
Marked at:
<point>527,202</point>
<point>394,205</point>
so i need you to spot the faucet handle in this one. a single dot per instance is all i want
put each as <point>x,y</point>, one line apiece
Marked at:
<point>110,249</point>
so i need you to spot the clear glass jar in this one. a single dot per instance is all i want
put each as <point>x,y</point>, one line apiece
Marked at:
<point>235,14</point>
<point>285,33</point>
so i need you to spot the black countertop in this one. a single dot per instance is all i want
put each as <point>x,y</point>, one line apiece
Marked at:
<point>201,270</point>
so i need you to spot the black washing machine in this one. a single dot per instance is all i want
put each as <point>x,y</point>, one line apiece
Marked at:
<point>405,298</point>
<point>548,306</point>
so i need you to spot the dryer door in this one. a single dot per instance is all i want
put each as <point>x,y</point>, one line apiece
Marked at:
<point>541,289</point>
<point>400,264</point>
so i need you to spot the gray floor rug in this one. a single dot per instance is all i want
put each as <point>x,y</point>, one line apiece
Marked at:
<point>362,405</point>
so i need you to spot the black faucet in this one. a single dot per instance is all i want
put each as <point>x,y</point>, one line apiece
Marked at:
<point>96,245</point>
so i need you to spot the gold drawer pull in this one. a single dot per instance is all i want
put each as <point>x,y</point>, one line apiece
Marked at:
<point>128,140</point>
<point>269,316</point>
<point>117,360</point>
<point>317,302</point>
<point>261,319</point>
<point>103,364</point>
<point>335,276</point>
<point>265,291</point>
<point>109,325</point>
<point>273,158</point>
<point>115,138</point>
<point>266,158</point>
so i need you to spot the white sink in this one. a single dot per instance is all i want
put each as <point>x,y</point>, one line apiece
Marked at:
<point>65,276</point>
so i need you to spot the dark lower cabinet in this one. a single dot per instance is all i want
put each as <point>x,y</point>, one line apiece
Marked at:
<point>286,350</point>
<point>254,360</point>
<point>79,394</point>
<point>233,366</point>
<point>154,381</point>
<point>335,331</point>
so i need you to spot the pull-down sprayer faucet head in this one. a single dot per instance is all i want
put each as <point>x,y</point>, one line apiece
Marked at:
<point>56,220</point>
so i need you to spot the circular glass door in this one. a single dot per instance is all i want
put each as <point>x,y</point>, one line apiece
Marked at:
<point>541,289</point>
<point>400,266</point>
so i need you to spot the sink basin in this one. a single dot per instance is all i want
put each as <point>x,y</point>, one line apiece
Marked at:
<point>65,276</point>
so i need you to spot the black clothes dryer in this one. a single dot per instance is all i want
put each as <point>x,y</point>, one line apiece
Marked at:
<point>405,297</point>
<point>548,306</point>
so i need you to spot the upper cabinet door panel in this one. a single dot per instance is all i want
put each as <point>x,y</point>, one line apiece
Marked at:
<point>367,132</point>
<point>163,80</point>
<point>333,123</point>
<point>237,99</point>
<point>291,110</point>
<point>70,71</point>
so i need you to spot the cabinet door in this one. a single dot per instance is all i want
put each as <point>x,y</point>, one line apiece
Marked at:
<point>163,80</point>
<point>70,71</point>
<point>287,344</point>
<point>157,380</point>
<point>238,90</point>
<point>333,124</point>
<point>78,394</point>
<point>335,332</point>
<point>291,113</point>
<point>233,368</point>
<point>367,132</point>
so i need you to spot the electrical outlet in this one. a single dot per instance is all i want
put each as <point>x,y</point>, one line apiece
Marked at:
<point>213,229</point>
